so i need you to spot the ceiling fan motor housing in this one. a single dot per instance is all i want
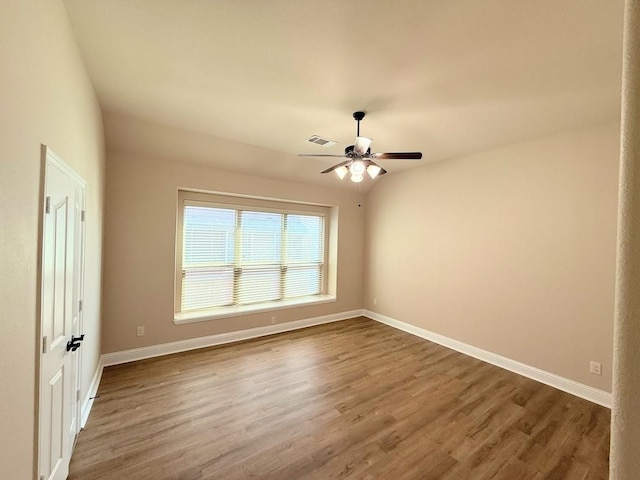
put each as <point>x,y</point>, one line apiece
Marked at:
<point>349,151</point>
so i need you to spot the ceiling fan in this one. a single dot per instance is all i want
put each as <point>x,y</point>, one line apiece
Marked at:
<point>359,158</point>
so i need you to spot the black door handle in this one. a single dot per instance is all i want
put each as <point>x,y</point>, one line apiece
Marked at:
<point>74,343</point>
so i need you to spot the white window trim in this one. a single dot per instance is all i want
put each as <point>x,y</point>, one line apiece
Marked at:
<point>228,312</point>
<point>232,201</point>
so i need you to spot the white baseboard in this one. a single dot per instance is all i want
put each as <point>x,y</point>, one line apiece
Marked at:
<point>93,390</point>
<point>561,383</point>
<point>132,355</point>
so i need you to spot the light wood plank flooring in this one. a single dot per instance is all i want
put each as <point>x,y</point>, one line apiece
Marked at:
<point>347,400</point>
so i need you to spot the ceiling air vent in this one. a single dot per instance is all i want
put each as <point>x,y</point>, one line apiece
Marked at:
<point>323,142</point>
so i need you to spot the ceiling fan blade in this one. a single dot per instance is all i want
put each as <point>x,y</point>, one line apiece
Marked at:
<point>338,165</point>
<point>320,155</point>
<point>397,156</point>
<point>362,145</point>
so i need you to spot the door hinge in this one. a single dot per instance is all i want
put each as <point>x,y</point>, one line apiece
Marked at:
<point>80,305</point>
<point>47,205</point>
<point>78,395</point>
<point>44,344</point>
<point>82,215</point>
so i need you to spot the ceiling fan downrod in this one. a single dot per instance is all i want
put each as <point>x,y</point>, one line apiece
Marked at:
<point>358,116</point>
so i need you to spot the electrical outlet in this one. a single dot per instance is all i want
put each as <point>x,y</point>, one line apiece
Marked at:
<point>139,331</point>
<point>375,301</point>
<point>595,368</point>
<point>273,320</point>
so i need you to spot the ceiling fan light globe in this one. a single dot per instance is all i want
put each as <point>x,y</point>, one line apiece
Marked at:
<point>373,171</point>
<point>357,168</point>
<point>356,178</point>
<point>341,171</point>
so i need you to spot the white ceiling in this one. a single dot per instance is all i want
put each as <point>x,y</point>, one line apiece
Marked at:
<point>447,78</point>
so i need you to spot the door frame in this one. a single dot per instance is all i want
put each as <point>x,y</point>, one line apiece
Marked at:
<point>49,158</point>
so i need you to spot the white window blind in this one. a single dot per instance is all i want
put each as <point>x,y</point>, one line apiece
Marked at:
<point>234,256</point>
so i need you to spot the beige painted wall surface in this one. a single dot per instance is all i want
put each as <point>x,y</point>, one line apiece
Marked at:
<point>140,228</point>
<point>511,251</point>
<point>45,97</point>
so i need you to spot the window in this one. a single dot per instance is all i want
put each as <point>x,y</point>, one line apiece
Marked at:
<point>237,255</point>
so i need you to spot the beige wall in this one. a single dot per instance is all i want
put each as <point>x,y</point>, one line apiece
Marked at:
<point>140,223</point>
<point>511,251</point>
<point>46,98</point>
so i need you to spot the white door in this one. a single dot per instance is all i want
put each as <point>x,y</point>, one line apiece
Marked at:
<point>60,309</point>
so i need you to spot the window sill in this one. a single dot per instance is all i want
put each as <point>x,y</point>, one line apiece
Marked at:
<point>227,312</point>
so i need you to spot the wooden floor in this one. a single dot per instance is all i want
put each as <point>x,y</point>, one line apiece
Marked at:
<point>352,399</point>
